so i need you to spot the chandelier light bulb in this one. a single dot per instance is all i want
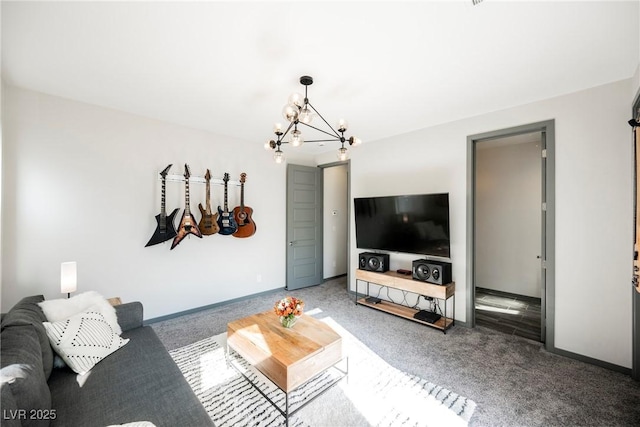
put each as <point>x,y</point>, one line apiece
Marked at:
<point>342,125</point>
<point>290,112</point>
<point>296,99</point>
<point>355,141</point>
<point>306,114</point>
<point>296,138</point>
<point>278,156</point>
<point>343,154</point>
<point>269,145</point>
<point>277,128</point>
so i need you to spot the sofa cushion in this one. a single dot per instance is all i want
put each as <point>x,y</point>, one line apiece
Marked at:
<point>63,308</point>
<point>83,340</point>
<point>20,355</point>
<point>129,315</point>
<point>138,382</point>
<point>27,312</point>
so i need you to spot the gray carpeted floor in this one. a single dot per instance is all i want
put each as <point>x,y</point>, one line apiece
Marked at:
<point>514,381</point>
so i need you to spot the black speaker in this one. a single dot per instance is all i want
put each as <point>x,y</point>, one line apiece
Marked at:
<point>373,262</point>
<point>436,272</point>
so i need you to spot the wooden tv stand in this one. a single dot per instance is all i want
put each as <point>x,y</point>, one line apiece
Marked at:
<point>405,283</point>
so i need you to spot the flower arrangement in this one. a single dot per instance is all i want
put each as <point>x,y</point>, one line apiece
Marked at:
<point>289,309</point>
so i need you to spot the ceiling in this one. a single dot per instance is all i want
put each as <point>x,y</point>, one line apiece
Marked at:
<point>386,67</point>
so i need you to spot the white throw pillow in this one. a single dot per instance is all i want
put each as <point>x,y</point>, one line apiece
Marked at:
<point>63,308</point>
<point>83,340</point>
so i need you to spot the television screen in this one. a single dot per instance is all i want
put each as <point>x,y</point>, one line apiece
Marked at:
<point>417,224</point>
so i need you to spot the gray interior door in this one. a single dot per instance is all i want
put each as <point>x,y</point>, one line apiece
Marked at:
<point>304,226</point>
<point>543,243</point>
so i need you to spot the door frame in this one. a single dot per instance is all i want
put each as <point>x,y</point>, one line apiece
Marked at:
<point>635,304</point>
<point>347,164</point>
<point>321,167</point>
<point>547,127</point>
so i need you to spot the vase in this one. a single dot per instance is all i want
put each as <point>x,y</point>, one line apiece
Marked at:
<point>288,321</point>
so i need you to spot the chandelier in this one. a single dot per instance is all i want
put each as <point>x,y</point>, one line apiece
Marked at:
<point>299,112</point>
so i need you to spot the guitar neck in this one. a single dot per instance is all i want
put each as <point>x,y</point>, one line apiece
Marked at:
<point>187,210</point>
<point>226,208</point>
<point>208,197</point>
<point>163,211</point>
<point>242,196</point>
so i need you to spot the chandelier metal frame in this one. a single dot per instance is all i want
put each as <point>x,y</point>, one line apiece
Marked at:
<point>299,113</point>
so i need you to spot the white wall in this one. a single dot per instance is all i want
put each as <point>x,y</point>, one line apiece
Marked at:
<point>81,184</point>
<point>335,217</point>
<point>1,146</point>
<point>508,218</point>
<point>635,86</point>
<point>593,206</point>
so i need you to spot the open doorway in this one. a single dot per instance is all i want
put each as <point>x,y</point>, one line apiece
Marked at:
<point>508,234</point>
<point>542,257</point>
<point>335,220</point>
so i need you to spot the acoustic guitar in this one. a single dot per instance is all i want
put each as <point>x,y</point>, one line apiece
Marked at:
<point>188,223</point>
<point>226,221</point>
<point>242,214</point>
<point>165,229</point>
<point>209,221</point>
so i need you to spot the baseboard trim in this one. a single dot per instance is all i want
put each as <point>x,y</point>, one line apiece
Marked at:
<point>207,307</point>
<point>590,360</point>
<point>334,277</point>
<point>462,324</point>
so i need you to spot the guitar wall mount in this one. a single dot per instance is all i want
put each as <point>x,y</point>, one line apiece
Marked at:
<point>197,180</point>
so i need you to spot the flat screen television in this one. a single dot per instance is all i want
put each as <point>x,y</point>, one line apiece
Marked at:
<point>417,224</point>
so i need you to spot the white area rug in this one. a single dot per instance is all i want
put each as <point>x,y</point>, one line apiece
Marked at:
<point>374,393</point>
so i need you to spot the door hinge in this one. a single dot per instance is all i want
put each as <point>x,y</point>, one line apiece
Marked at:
<point>544,153</point>
<point>544,263</point>
<point>544,206</point>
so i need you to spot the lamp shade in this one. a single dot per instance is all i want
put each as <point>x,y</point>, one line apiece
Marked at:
<point>68,277</point>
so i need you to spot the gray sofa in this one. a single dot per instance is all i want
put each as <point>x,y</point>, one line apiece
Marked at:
<point>138,382</point>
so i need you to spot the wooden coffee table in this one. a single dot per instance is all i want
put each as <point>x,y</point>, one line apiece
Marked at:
<point>288,357</point>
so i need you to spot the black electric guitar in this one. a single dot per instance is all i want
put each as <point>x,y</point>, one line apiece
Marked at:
<point>226,221</point>
<point>209,222</point>
<point>165,229</point>
<point>242,214</point>
<point>188,224</point>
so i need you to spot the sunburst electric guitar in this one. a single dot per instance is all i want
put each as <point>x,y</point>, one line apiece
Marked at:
<point>165,230</point>
<point>209,222</point>
<point>188,224</point>
<point>242,214</point>
<point>226,221</point>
